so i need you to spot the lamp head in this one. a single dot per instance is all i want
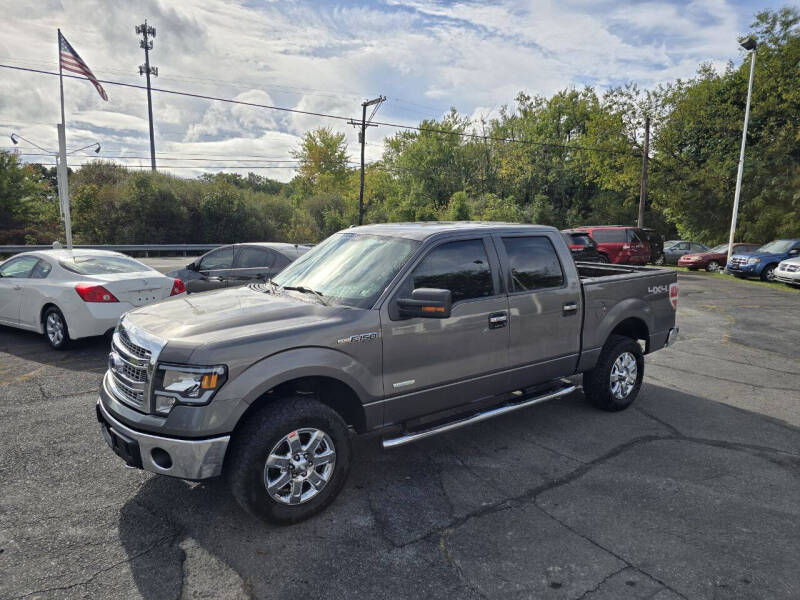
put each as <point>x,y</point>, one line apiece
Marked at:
<point>97,150</point>
<point>749,43</point>
<point>14,138</point>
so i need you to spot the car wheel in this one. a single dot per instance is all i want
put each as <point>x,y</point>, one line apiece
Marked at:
<point>55,328</point>
<point>692,268</point>
<point>289,461</point>
<point>602,258</point>
<point>614,382</point>
<point>712,266</point>
<point>768,273</point>
<point>659,260</point>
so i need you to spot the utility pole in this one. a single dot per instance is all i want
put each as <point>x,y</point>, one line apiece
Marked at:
<point>750,45</point>
<point>362,138</point>
<point>148,32</point>
<point>643,189</point>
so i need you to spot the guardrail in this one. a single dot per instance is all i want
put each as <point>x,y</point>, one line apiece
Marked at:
<point>133,249</point>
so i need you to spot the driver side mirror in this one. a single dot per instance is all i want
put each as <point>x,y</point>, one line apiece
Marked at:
<point>794,251</point>
<point>428,303</point>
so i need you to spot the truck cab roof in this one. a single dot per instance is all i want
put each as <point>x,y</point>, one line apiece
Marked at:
<point>425,230</point>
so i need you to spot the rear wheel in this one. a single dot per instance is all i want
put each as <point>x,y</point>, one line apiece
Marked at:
<point>614,382</point>
<point>289,461</point>
<point>712,266</point>
<point>659,259</point>
<point>602,258</point>
<point>55,328</point>
<point>768,273</point>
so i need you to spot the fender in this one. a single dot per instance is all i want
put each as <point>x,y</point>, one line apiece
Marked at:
<point>597,334</point>
<point>309,361</point>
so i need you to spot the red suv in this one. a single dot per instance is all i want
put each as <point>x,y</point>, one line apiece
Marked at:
<point>620,244</point>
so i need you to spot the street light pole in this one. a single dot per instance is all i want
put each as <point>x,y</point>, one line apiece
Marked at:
<point>750,45</point>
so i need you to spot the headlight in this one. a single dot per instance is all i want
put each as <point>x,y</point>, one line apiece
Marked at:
<point>753,260</point>
<point>183,384</point>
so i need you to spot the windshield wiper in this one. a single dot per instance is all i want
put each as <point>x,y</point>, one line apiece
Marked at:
<point>306,290</point>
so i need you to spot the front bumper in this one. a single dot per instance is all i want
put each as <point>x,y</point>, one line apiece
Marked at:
<point>186,459</point>
<point>792,278</point>
<point>743,269</point>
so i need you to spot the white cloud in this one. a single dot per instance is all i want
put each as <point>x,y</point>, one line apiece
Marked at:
<point>328,57</point>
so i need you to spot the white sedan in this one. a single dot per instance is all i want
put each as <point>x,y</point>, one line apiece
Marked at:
<point>73,294</point>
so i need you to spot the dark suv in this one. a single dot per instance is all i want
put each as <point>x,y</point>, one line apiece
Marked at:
<point>582,246</point>
<point>656,245</point>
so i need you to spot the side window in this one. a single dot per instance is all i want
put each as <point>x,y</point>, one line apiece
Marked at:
<point>633,236</point>
<point>41,270</point>
<point>19,268</point>
<point>461,267</point>
<point>682,246</point>
<point>607,236</point>
<point>249,257</point>
<point>697,248</point>
<point>534,263</point>
<point>222,258</point>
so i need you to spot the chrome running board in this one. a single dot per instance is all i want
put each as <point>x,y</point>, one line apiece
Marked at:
<point>476,418</point>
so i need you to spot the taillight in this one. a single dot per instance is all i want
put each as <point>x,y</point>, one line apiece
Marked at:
<point>94,293</point>
<point>575,247</point>
<point>177,288</point>
<point>673,295</point>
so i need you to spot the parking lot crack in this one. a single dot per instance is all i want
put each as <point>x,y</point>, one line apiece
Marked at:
<point>88,580</point>
<point>602,581</point>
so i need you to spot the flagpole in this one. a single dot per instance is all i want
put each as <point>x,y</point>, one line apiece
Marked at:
<point>61,168</point>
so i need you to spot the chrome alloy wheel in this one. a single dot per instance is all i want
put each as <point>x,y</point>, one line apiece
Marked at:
<point>713,266</point>
<point>299,466</point>
<point>55,328</point>
<point>623,375</point>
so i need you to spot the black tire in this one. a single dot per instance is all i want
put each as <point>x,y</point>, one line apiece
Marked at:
<point>245,465</point>
<point>54,322</point>
<point>713,266</point>
<point>597,382</point>
<point>602,258</point>
<point>692,268</point>
<point>768,272</point>
<point>659,261</point>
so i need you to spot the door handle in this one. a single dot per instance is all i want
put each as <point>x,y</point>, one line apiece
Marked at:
<point>497,320</point>
<point>570,308</point>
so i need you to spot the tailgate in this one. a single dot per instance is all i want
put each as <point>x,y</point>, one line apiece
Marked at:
<point>137,289</point>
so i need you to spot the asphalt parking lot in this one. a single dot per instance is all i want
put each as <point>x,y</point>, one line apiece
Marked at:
<point>692,493</point>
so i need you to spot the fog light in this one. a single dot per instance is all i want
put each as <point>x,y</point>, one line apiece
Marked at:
<point>164,404</point>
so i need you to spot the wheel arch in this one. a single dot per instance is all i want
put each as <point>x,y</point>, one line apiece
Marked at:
<point>634,328</point>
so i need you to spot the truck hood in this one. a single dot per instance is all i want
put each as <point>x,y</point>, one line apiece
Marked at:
<point>227,313</point>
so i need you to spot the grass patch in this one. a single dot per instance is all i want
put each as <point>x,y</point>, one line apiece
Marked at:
<point>747,281</point>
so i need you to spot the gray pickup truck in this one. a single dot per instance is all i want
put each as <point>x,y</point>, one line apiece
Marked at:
<point>408,330</point>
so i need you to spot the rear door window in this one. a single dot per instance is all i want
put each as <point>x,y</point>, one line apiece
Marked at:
<point>533,262</point>
<point>633,236</point>
<point>461,267</point>
<point>41,270</point>
<point>250,257</point>
<point>609,236</point>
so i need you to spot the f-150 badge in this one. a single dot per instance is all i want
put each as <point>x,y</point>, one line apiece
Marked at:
<point>360,337</point>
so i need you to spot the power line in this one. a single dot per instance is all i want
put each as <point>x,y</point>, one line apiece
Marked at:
<point>340,117</point>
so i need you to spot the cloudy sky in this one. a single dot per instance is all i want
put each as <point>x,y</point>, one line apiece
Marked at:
<point>328,56</point>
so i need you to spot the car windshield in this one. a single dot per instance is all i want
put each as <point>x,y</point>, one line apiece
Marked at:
<point>719,249</point>
<point>102,265</point>
<point>777,246</point>
<point>670,243</point>
<point>350,269</point>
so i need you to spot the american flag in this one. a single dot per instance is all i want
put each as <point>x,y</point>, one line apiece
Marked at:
<point>70,61</point>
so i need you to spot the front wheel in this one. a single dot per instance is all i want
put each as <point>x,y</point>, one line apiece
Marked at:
<point>289,461</point>
<point>768,273</point>
<point>55,328</point>
<point>614,382</point>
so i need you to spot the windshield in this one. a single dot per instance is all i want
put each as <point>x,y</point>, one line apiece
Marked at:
<point>720,249</point>
<point>101,265</point>
<point>670,243</point>
<point>349,269</point>
<point>777,246</point>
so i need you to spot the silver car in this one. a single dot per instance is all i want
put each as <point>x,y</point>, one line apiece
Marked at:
<point>788,271</point>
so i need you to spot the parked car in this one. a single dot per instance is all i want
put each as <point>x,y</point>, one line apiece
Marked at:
<point>620,244</point>
<point>788,271</point>
<point>582,246</point>
<point>656,242</point>
<point>763,261</point>
<point>237,264</point>
<point>74,294</point>
<point>713,260</point>
<point>407,330</point>
<point>674,251</point>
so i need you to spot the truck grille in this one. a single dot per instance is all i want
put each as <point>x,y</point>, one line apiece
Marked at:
<point>128,374</point>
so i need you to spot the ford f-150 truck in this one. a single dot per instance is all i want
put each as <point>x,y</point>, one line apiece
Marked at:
<point>407,330</point>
